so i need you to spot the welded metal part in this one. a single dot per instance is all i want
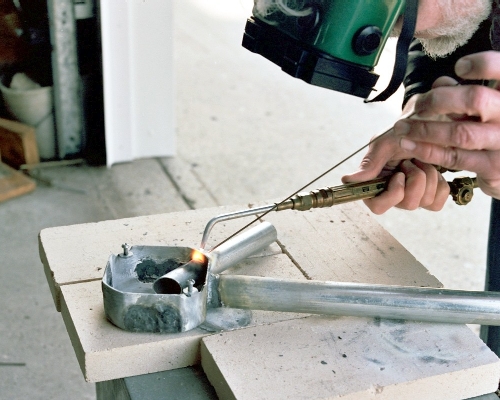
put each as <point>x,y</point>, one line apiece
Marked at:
<point>182,278</point>
<point>131,303</point>
<point>361,300</point>
<point>225,256</point>
<point>224,318</point>
<point>126,251</point>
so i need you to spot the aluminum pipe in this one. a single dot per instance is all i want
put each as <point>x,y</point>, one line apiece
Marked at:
<point>230,216</point>
<point>361,300</point>
<point>241,246</point>
<point>188,275</point>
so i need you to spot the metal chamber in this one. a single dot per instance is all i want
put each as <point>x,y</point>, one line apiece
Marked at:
<point>130,300</point>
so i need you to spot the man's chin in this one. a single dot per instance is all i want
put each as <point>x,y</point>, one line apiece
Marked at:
<point>441,46</point>
<point>424,35</point>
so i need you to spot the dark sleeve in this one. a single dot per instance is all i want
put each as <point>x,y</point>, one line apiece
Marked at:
<point>491,334</point>
<point>423,70</point>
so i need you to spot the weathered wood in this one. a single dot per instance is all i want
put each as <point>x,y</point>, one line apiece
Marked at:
<point>18,143</point>
<point>13,183</point>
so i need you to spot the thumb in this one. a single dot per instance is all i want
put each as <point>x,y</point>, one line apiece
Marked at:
<point>482,65</point>
<point>380,160</point>
<point>369,169</point>
<point>361,175</point>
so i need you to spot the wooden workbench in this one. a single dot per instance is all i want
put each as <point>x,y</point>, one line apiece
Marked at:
<point>279,355</point>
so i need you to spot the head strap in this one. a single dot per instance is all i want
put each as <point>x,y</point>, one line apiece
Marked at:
<point>405,38</point>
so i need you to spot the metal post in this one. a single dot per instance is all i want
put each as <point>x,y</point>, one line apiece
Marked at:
<point>67,100</point>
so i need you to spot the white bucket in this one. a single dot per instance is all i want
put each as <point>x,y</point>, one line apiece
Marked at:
<point>34,107</point>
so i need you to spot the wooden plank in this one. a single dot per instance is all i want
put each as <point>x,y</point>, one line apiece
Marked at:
<point>18,143</point>
<point>350,358</point>
<point>13,183</point>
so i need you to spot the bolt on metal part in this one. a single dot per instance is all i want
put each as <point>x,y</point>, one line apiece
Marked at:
<point>126,250</point>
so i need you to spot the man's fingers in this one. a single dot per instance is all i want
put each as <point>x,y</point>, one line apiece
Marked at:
<point>471,100</point>
<point>453,158</point>
<point>390,197</point>
<point>449,98</point>
<point>444,81</point>
<point>377,159</point>
<point>468,135</point>
<point>442,192</point>
<point>482,65</point>
<point>415,185</point>
<point>425,187</point>
<point>431,182</point>
<point>360,176</point>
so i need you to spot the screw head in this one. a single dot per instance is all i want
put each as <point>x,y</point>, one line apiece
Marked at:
<point>126,250</point>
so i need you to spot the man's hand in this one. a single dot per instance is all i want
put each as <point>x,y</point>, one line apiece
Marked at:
<point>457,127</point>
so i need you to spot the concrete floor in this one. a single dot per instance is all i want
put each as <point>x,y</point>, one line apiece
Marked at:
<point>246,132</point>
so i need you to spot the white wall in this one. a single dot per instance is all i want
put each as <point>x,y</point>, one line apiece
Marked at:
<point>137,46</point>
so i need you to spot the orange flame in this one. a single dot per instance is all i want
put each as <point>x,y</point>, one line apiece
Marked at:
<point>198,256</point>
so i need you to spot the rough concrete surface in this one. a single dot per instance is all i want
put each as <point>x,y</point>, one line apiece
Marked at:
<point>246,132</point>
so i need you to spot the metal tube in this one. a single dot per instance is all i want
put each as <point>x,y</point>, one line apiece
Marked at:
<point>361,300</point>
<point>229,216</point>
<point>241,246</point>
<point>175,281</point>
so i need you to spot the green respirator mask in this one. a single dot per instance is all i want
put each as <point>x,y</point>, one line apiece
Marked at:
<point>333,44</point>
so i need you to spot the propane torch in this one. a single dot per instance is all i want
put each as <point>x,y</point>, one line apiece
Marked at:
<point>461,190</point>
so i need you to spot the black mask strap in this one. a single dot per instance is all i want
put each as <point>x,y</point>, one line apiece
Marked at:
<point>405,38</point>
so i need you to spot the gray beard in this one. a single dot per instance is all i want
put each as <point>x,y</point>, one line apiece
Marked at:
<point>458,31</point>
